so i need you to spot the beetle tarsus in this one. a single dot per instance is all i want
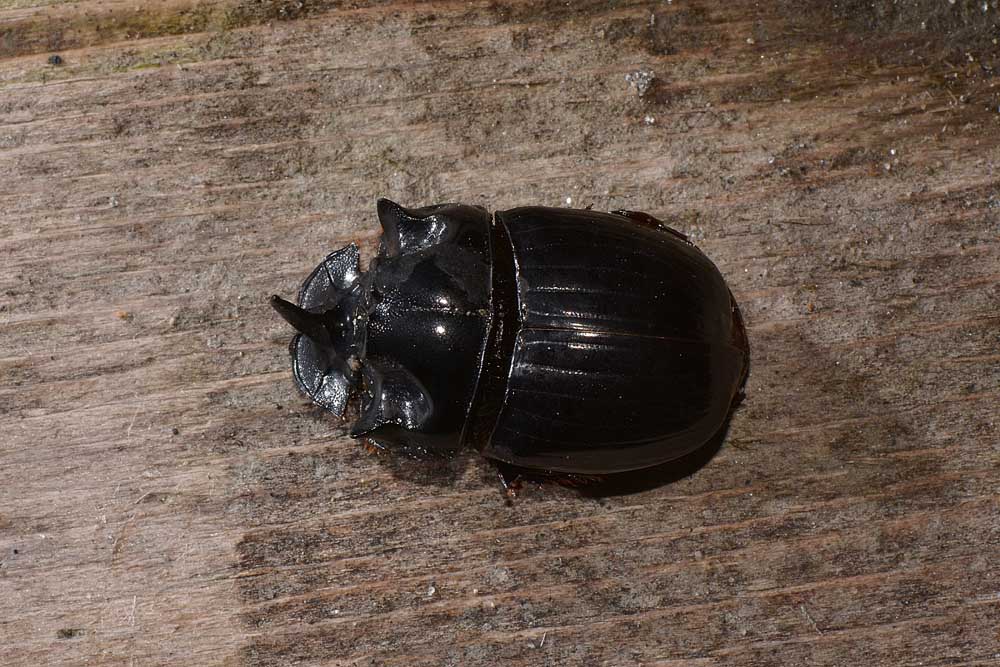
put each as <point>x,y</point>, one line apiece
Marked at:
<point>511,480</point>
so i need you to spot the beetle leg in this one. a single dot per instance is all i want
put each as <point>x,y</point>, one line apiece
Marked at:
<point>510,479</point>
<point>372,447</point>
<point>647,220</point>
<point>513,477</point>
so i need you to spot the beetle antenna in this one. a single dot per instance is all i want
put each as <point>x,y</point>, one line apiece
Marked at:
<point>310,324</point>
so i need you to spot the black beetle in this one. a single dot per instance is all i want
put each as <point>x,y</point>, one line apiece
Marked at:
<point>557,341</point>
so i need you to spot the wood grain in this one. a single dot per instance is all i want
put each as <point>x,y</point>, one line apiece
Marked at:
<point>167,498</point>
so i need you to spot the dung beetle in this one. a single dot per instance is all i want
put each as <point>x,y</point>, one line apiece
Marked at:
<point>553,340</point>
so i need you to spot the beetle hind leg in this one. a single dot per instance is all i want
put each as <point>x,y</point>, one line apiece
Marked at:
<point>512,478</point>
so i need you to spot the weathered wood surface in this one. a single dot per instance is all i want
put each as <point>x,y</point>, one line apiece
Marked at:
<point>166,497</point>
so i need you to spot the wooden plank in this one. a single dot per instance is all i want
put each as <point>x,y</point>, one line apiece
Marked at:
<point>166,497</point>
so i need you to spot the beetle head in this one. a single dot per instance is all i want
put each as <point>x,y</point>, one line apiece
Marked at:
<point>331,335</point>
<point>356,328</point>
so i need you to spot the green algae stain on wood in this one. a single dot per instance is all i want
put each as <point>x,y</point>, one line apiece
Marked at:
<point>60,29</point>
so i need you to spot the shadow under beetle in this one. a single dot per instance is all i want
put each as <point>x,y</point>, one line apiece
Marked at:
<point>554,341</point>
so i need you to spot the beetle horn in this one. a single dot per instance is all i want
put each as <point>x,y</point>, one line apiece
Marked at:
<point>406,230</point>
<point>319,370</point>
<point>392,217</point>
<point>392,395</point>
<point>310,324</point>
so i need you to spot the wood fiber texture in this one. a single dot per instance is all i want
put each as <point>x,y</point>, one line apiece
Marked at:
<point>166,496</point>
